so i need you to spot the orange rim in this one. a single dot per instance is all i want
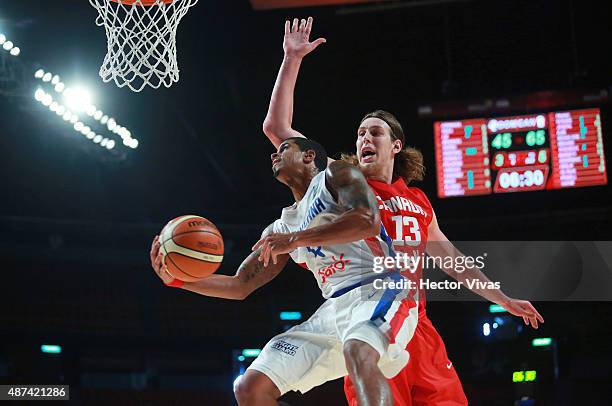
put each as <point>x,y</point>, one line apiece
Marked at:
<point>145,3</point>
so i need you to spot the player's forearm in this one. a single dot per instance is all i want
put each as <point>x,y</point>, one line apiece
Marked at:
<point>482,288</point>
<point>251,275</point>
<point>439,246</point>
<point>446,249</point>
<point>277,124</point>
<point>353,225</point>
<point>222,286</point>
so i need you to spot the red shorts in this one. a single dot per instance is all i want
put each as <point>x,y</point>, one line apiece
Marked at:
<point>428,379</point>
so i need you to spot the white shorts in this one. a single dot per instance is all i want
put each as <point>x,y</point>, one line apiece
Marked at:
<point>311,353</point>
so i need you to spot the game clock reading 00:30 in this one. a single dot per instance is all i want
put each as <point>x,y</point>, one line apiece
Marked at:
<point>520,153</point>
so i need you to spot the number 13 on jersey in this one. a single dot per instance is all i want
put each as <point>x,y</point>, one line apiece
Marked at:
<point>407,231</point>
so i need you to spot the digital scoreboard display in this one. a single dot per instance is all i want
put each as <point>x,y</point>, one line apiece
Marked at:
<point>554,150</point>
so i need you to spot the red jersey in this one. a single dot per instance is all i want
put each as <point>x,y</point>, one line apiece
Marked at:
<point>429,378</point>
<point>405,213</point>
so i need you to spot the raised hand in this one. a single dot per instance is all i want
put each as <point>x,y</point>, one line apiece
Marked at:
<point>524,309</point>
<point>297,42</point>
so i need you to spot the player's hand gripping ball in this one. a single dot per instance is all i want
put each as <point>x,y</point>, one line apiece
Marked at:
<point>191,248</point>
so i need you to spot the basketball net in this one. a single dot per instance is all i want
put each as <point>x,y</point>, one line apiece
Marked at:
<point>141,41</point>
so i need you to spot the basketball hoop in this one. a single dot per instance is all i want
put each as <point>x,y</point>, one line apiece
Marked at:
<point>141,41</point>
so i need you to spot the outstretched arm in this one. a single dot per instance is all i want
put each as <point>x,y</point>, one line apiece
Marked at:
<point>438,245</point>
<point>296,44</point>
<point>251,275</point>
<point>360,220</point>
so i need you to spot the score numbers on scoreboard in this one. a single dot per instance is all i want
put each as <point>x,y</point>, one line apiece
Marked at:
<point>520,153</point>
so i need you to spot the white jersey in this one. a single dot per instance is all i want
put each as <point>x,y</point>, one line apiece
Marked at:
<point>334,267</point>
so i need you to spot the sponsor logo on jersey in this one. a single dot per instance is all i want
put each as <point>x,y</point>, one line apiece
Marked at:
<point>316,207</point>
<point>285,347</point>
<point>398,204</point>
<point>338,265</point>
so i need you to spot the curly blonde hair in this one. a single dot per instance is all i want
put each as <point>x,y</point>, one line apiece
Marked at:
<point>408,163</point>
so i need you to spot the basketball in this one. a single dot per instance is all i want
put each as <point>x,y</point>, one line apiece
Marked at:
<point>192,247</point>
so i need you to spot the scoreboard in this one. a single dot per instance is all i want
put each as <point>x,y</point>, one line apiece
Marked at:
<point>553,150</point>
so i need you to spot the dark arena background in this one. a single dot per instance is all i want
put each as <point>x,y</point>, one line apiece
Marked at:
<point>80,304</point>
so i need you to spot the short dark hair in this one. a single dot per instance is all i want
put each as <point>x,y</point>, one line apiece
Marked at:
<point>320,154</point>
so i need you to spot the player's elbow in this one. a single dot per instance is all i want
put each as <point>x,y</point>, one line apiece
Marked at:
<point>239,290</point>
<point>277,132</point>
<point>272,130</point>
<point>242,293</point>
<point>268,127</point>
